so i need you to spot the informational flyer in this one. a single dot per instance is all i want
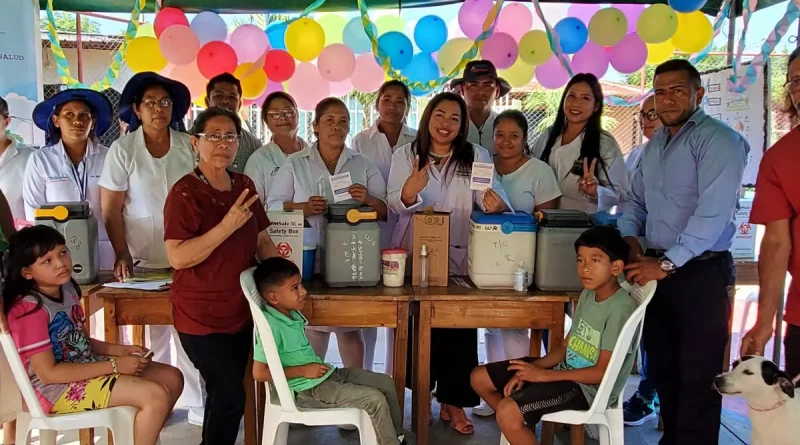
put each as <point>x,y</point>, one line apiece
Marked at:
<point>340,185</point>
<point>482,176</point>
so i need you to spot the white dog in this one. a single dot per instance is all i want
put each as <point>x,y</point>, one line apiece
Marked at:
<point>770,394</point>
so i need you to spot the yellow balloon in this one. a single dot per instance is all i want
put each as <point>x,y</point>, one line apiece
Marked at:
<point>304,39</point>
<point>534,47</point>
<point>659,52</point>
<point>519,75</point>
<point>253,79</point>
<point>451,52</point>
<point>657,23</point>
<point>144,54</point>
<point>608,27</point>
<point>333,26</point>
<point>388,23</point>
<point>200,101</point>
<point>694,32</point>
<point>146,30</point>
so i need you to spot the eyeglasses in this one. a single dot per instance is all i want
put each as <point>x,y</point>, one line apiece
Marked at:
<point>163,103</point>
<point>217,137</point>
<point>792,86</point>
<point>287,113</point>
<point>649,115</point>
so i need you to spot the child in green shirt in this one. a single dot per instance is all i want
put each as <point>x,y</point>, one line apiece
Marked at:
<point>521,391</point>
<point>315,383</point>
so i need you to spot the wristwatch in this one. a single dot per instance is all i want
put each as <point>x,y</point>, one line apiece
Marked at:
<point>667,266</point>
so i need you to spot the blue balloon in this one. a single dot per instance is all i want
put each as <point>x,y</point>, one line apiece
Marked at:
<point>572,34</point>
<point>686,6</point>
<point>430,33</point>
<point>398,48</point>
<point>422,68</point>
<point>416,92</point>
<point>355,38</point>
<point>276,31</point>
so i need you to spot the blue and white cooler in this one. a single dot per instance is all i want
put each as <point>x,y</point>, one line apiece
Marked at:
<point>497,244</point>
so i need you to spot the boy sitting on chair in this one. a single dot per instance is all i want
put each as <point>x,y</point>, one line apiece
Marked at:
<point>521,391</point>
<point>317,384</point>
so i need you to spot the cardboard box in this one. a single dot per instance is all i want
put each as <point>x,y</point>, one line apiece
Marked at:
<point>744,239</point>
<point>433,230</point>
<point>286,231</point>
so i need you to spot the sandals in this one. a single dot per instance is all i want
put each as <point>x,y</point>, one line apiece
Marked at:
<point>461,422</point>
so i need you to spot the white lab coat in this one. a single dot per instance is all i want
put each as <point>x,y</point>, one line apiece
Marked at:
<point>12,174</point>
<point>263,165</point>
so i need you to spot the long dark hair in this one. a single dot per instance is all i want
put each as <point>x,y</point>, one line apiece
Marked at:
<point>590,148</point>
<point>518,117</point>
<point>789,106</point>
<point>463,152</point>
<point>24,248</point>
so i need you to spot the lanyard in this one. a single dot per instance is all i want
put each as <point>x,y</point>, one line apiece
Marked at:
<point>80,174</point>
<point>203,178</point>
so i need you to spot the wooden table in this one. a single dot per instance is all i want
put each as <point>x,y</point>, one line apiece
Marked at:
<point>459,307</point>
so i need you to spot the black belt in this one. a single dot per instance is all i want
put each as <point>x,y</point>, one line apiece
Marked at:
<point>707,255</point>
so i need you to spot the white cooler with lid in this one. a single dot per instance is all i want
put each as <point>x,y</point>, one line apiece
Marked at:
<point>497,244</point>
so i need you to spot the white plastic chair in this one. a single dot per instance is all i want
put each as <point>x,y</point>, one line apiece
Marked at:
<point>119,420</point>
<point>278,417</point>
<point>609,419</point>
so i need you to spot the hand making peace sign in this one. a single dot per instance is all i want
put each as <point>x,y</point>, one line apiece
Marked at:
<point>416,182</point>
<point>239,212</point>
<point>588,182</point>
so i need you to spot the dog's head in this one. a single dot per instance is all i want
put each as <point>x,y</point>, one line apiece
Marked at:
<point>754,376</point>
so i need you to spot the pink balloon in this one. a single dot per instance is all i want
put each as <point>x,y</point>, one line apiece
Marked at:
<point>336,62</point>
<point>168,17</point>
<point>368,75</point>
<point>179,44</point>
<point>341,89</point>
<point>272,87</point>
<point>515,20</point>
<point>308,87</point>
<point>190,76</point>
<point>632,13</point>
<point>250,43</point>
<point>582,11</point>
<point>472,15</point>
<point>629,55</point>
<point>592,58</point>
<point>501,49</point>
<point>552,74</point>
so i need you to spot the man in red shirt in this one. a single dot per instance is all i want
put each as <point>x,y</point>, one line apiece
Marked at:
<point>777,206</point>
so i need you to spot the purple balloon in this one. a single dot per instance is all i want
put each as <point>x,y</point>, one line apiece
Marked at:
<point>472,15</point>
<point>629,55</point>
<point>632,13</point>
<point>592,58</point>
<point>501,49</point>
<point>582,11</point>
<point>552,74</point>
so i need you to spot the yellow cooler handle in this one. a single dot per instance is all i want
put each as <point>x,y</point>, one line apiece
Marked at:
<point>355,215</point>
<point>59,213</point>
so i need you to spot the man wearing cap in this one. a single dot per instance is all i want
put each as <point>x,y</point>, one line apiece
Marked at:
<point>480,87</point>
<point>225,91</point>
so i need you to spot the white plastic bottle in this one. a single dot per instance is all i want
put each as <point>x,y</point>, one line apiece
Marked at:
<point>423,266</point>
<point>521,278</point>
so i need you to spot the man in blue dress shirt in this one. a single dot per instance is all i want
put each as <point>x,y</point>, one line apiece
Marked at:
<point>687,192</point>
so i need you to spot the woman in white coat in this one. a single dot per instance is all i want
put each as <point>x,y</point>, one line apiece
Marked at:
<point>434,171</point>
<point>13,159</point>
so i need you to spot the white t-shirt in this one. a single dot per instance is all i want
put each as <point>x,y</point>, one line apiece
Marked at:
<point>131,168</point>
<point>263,165</point>
<point>531,184</point>
<point>483,135</point>
<point>12,173</point>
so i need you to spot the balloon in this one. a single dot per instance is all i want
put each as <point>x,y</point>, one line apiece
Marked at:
<point>279,65</point>
<point>247,102</point>
<point>355,37</point>
<point>307,86</point>
<point>397,47</point>
<point>572,34</point>
<point>582,12</point>
<point>168,17</point>
<point>657,23</point>
<point>336,62</point>
<point>250,43</point>
<point>253,79</point>
<point>333,26</point>
<point>632,13</point>
<point>534,47</point>
<point>515,19</point>
<point>694,32</point>
<point>659,52</point>
<point>144,54</point>
<point>190,76</point>
<point>389,23</point>
<point>629,55</point>
<point>471,16</point>
<point>276,33</point>
<point>687,6</point>
<point>305,39</point>
<point>430,33</point>
<point>592,58</point>
<point>179,44</point>
<point>451,53</point>
<point>500,49</point>
<point>216,58</point>
<point>200,101</point>
<point>519,75</point>
<point>341,89</point>
<point>145,30</point>
<point>368,75</point>
<point>208,27</point>
<point>271,88</point>
<point>551,74</point>
<point>608,27</point>
<point>422,68</point>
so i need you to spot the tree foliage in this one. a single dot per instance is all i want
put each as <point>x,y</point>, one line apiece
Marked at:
<point>66,22</point>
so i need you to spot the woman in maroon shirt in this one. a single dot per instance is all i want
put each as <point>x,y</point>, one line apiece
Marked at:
<point>215,228</point>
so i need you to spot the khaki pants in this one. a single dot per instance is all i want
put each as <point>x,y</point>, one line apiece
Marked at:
<point>357,388</point>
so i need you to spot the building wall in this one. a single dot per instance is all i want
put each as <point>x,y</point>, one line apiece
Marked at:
<point>95,64</point>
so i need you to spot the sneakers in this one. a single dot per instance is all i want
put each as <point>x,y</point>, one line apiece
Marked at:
<point>484,410</point>
<point>637,411</point>
<point>196,416</point>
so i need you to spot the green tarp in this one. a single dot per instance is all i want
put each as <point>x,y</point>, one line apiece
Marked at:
<point>248,6</point>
